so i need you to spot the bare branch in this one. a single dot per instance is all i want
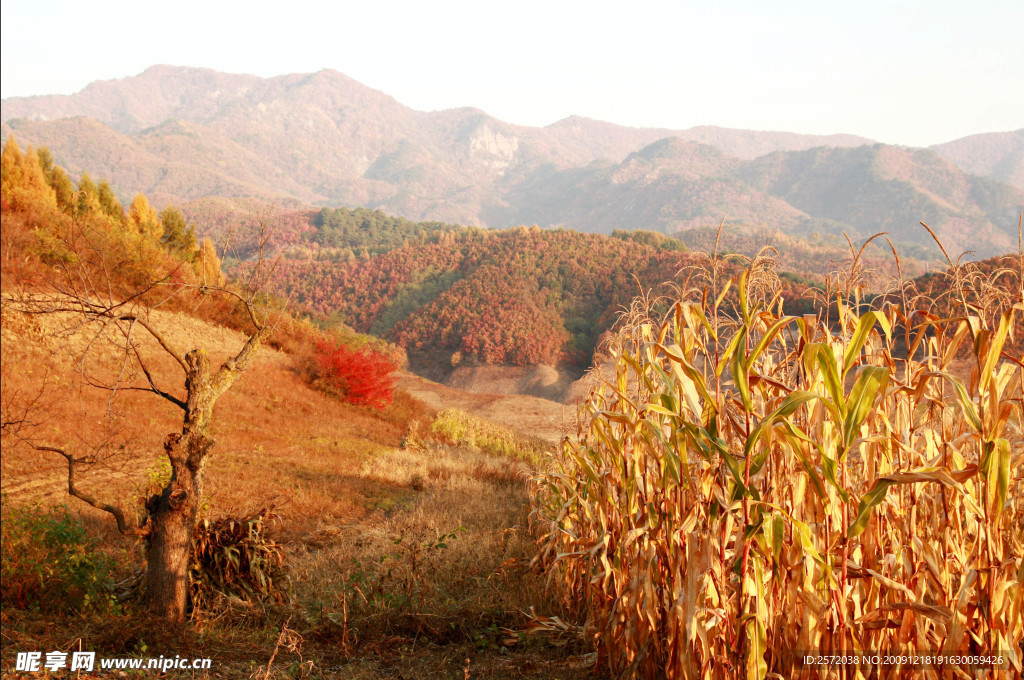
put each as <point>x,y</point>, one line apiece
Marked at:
<point>135,388</point>
<point>152,383</point>
<point>15,417</point>
<point>232,368</point>
<point>159,337</point>
<point>118,513</point>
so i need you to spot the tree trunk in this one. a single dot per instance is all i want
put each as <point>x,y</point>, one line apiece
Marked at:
<point>174,512</point>
<point>173,521</point>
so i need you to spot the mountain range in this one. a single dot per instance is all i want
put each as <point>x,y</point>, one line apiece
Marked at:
<point>180,134</point>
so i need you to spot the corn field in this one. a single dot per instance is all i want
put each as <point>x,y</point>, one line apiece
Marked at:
<point>749,494</point>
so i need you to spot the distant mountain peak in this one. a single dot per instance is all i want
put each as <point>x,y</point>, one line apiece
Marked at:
<point>323,138</point>
<point>675,147</point>
<point>999,155</point>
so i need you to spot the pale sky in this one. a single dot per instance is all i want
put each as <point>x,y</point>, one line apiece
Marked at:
<point>914,73</point>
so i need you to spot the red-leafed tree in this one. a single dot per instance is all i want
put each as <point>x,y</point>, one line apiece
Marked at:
<point>363,377</point>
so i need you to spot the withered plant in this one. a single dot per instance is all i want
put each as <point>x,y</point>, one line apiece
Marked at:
<point>235,557</point>
<point>749,487</point>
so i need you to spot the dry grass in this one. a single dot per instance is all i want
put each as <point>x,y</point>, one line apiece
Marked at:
<point>455,426</point>
<point>404,562</point>
<point>446,552</point>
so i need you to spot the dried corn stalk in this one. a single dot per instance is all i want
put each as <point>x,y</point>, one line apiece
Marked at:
<point>750,487</point>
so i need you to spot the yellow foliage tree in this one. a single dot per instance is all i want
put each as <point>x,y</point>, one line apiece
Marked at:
<point>22,181</point>
<point>143,217</point>
<point>208,265</point>
<point>10,168</point>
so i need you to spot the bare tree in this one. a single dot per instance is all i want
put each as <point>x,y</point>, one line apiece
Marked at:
<point>82,295</point>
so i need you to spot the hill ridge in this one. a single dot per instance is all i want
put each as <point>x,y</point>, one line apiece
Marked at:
<point>323,138</point>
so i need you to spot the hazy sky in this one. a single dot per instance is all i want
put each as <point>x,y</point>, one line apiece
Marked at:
<point>914,73</point>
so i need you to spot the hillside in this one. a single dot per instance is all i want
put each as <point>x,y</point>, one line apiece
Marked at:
<point>512,297</point>
<point>418,502</point>
<point>675,185</point>
<point>180,134</point>
<point>885,188</point>
<point>520,296</point>
<point>424,536</point>
<point>456,299</point>
<point>999,155</point>
<point>813,257</point>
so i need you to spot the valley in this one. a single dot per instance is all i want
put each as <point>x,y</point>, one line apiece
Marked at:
<point>377,393</point>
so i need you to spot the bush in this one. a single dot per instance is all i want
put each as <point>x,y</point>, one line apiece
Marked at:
<point>360,376</point>
<point>50,563</point>
<point>454,426</point>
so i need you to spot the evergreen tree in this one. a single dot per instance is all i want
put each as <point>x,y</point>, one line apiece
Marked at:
<point>178,235</point>
<point>88,195</point>
<point>63,188</point>
<point>108,201</point>
<point>45,160</point>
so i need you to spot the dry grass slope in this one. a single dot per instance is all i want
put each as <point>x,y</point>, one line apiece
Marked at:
<point>406,556</point>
